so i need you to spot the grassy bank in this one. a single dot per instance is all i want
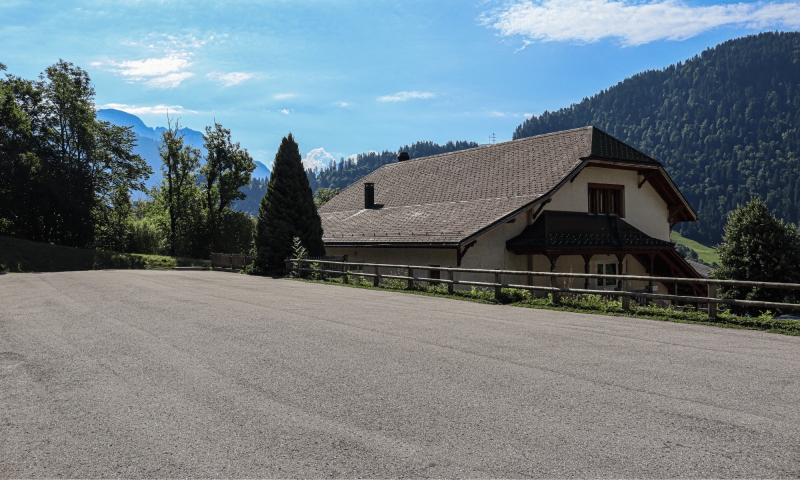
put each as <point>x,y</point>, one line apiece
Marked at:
<point>18,255</point>
<point>706,254</point>
<point>591,304</point>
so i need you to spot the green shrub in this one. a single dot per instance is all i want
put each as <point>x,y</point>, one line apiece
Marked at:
<point>145,237</point>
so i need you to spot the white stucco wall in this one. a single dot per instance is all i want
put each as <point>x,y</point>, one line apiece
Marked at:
<point>644,207</point>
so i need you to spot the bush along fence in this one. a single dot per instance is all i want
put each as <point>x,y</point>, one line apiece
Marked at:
<point>233,261</point>
<point>342,269</point>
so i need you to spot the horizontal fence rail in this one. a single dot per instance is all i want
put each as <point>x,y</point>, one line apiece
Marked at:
<point>712,301</point>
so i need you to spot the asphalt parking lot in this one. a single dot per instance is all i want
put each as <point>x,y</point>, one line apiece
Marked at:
<point>208,374</point>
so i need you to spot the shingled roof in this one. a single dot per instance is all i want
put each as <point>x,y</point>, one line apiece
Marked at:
<point>445,199</point>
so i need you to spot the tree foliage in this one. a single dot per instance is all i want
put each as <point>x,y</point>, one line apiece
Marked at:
<point>759,247</point>
<point>287,211</point>
<point>324,195</point>
<point>227,169</point>
<point>61,170</point>
<point>725,123</point>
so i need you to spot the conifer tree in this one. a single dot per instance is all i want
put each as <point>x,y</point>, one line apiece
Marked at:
<point>287,210</point>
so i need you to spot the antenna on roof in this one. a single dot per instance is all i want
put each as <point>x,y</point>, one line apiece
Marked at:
<point>492,138</point>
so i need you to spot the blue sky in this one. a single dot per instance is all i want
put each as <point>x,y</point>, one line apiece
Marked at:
<point>347,77</point>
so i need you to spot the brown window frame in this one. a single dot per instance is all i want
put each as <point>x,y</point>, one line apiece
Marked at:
<point>606,199</point>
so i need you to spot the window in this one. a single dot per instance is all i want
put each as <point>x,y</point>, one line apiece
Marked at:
<point>606,268</point>
<point>606,199</point>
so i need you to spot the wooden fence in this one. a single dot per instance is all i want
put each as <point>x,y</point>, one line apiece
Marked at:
<point>230,260</point>
<point>712,301</point>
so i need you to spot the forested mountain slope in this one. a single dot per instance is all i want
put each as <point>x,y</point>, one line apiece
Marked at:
<point>345,172</point>
<point>726,124</point>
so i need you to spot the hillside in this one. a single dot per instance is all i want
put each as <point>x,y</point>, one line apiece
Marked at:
<point>725,123</point>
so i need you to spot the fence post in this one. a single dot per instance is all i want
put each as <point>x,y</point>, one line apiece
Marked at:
<point>712,307</point>
<point>288,266</point>
<point>498,290</point>
<point>556,295</point>
<point>626,301</point>
<point>450,286</point>
<point>376,280</point>
<point>410,280</point>
<point>345,277</point>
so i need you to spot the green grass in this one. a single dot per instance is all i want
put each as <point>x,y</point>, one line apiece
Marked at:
<point>591,304</point>
<point>706,254</point>
<point>18,255</point>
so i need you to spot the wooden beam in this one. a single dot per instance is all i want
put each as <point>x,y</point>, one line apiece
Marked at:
<point>461,251</point>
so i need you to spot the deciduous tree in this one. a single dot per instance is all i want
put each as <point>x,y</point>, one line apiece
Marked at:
<point>757,246</point>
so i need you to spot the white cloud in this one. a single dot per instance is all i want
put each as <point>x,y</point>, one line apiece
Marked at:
<point>229,79</point>
<point>170,68</point>
<point>317,158</point>
<point>403,96</point>
<point>162,72</point>
<point>634,22</point>
<point>150,67</point>
<point>284,111</point>
<point>497,114</point>
<point>342,104</point>
<point>527,115</point>
<point>169,81</point>
<point>152,110</point>
<point>282,96</point>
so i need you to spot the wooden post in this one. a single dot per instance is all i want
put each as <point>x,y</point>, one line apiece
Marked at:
<point>553,281</point>
<point>587,260</point>
<point>626,301</point>
<point>289,266</point>
<point>410,280</point>
<point>712,307</point>
<point>376,280</point>
<point>345,277</point>
<point>450,286</point>
<point>498,290</point>
<point>530,268</point>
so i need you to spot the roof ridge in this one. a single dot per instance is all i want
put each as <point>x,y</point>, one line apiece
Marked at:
<point>434,204</point>
<point>615,140</point>
<point>561,132</point>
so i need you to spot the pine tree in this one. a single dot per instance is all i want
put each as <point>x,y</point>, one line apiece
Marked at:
<point>287,210</point>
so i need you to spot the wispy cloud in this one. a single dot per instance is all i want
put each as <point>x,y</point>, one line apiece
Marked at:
<point>496,113</point>
<point>634,22</point>
<point>284,111</point>
<point>147,110</point>
<point>229,79</point>
<point>168,68</point>
<point>317,158</point>
<point>403,96</point>
<point>282,96</point>
<point>342,104</point>
<point>169,81</point>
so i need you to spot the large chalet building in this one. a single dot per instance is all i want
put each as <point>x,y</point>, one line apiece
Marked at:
<point>573,201</point>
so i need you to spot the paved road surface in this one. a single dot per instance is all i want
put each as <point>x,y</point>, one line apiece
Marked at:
<point>204,374</point>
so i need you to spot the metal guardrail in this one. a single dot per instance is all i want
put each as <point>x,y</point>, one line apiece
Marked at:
<point>712,301</point>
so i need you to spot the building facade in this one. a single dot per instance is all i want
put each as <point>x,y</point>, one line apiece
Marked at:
<point>572,201</point>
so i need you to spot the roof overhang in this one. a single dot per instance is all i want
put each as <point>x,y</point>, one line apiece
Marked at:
<point>653,173</point>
